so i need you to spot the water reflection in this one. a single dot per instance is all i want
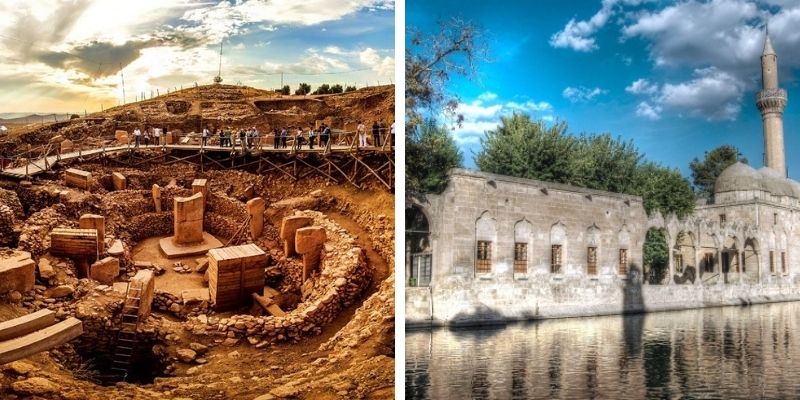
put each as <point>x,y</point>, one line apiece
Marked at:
<point>720,353</point>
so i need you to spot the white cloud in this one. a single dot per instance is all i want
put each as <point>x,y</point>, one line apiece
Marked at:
<point>645,110</point>
<point>579,35</point>
<point>581,94</point>
<point>642,86</point>
<point>312,63</point>
<point>484,114</point>
<point>384,66</point>
<point>712,94</point>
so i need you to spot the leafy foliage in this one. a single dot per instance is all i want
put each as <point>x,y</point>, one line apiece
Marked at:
<point>350,89</point>
<point>656,256</point>
<point>303,89</point>
<point>535,150</point>
<point>431,59</point>
<point>430,153</point>
<point>323,89</point>
<point>706,172</point>
<point>285,90</point>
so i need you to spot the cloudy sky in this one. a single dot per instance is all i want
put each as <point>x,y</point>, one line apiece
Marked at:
<point>66,55</point>
<point>678,78</point>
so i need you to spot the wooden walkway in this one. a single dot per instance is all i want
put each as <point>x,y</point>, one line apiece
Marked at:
<point>43,164</point>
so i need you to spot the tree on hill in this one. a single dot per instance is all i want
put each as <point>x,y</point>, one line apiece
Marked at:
<point>430,153</point>
<point>706,172</point>
<point>303,89</point>
<point>337,88</point>
<point>323,89</point>
<point>431,59</point>
<point>350,89</point>
<point>285,90</point>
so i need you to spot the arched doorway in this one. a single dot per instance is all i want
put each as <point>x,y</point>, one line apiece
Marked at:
<point>683,257</point>
<point>730,260</point>
<point>750,267</point>
<point>656,256</point>
<point>419,256</point>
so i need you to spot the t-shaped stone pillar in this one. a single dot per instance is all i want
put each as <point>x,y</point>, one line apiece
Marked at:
<point>289,226</point>
<point>98,222</point>
<point>308,242</point>
<point>201,186</point>
<point>157,197</point>
<point>188,214</point>
<point>255,208</point>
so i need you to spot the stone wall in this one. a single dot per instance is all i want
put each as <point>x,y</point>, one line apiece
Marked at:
<point>344,275</point>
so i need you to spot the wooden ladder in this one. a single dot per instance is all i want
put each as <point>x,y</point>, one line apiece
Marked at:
<point>126,337</point>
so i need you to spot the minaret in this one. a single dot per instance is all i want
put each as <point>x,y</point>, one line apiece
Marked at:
<point>771,101</point>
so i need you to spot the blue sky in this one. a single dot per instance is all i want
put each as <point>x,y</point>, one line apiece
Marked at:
<point>678,78</point>
<point>65,55</point>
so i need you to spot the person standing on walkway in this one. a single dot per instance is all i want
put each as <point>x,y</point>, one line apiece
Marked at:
<point>376,134</point>
<point>312,137</point>
<point>157,136</point>
<point>276,138</point>
<point>147,137</point>
<point>137,136</point>
<point>284,137</point>
<point>204,136</point>
<point>242,138</point>
<point>362,134</point>
<point>392,133</point>
<point>298,139</point>
<point>325,136</point>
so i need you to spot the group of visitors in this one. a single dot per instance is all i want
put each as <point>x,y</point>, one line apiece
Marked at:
<point>227,137</point>
<point>149,134</point>
<point>379,133</point>
<point>310,136</point>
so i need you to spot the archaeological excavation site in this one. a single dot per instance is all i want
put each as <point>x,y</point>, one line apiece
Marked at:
<point>185,269</point>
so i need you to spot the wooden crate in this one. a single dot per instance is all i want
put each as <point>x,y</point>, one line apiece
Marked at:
<point>66,242</point>
<point>77,178</point>
<point>234,273</point>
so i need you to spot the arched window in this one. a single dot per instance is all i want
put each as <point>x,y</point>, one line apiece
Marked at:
<point>419,258</point>
<point>592,242</point>
<point>623,242</point>
<point>522,235</point>
<point>485,235</point>
<point>558,237</point>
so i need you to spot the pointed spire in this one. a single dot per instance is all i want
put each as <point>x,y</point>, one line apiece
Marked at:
<point>768,50</point>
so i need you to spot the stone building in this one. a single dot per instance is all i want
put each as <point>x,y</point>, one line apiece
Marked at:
<point>493,247</point>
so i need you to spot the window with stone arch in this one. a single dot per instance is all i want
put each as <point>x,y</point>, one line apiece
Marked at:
<point>485,236</point>
<point>772,248</point>
<point>592,244</point>
<point>783,247</point>
<point>558,238</point>
<point>623,239</point>
<point>522,237</point>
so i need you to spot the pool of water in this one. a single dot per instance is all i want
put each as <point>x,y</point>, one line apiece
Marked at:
<point>716,353</point>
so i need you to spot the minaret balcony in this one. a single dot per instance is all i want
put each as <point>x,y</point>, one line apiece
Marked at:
<point>771,100</point>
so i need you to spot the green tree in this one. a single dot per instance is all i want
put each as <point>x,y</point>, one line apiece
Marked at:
<point>303,89</point>
<point>431,59</point>
<point>350,89</point>
<point>430,153</point>
<point>285,90</point>
<point>337,88</point>
<point>656,256</point>
<point>531,149</point>
<point>323,89</point>
<point>706,172</point>
<point>663,189</point>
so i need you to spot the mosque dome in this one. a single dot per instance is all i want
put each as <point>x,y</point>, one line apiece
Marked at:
<point>738,177</point>
<point>795,187</point>
<point>776,184</point>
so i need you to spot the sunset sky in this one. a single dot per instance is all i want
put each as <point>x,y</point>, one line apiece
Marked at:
<point>65,55</point>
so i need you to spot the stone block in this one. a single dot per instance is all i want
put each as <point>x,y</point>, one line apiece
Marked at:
<point>255,208</point>
<point>105,270</point>
<point>188,215</point>
<point>98,223</point>
<point>201,186</point>
<point>157,197</point>
<point>56,139</point>
<point>77,178</point>
<point>145,279</point>
<point>121,137</point>
<point>309,242</point>
<point>290,225</point>
<point>66,146</point>
<point>17,272</point>
<point>234,274</point>
<point>75,243</point>
<point>46,270</point>
<point>190,296</point>
<point>119,180</point>
<point>116,249</point>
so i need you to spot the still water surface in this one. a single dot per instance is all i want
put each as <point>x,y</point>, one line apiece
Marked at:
<point>716,353</point>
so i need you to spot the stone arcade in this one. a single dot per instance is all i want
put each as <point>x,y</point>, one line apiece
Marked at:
<point>495,248</point>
